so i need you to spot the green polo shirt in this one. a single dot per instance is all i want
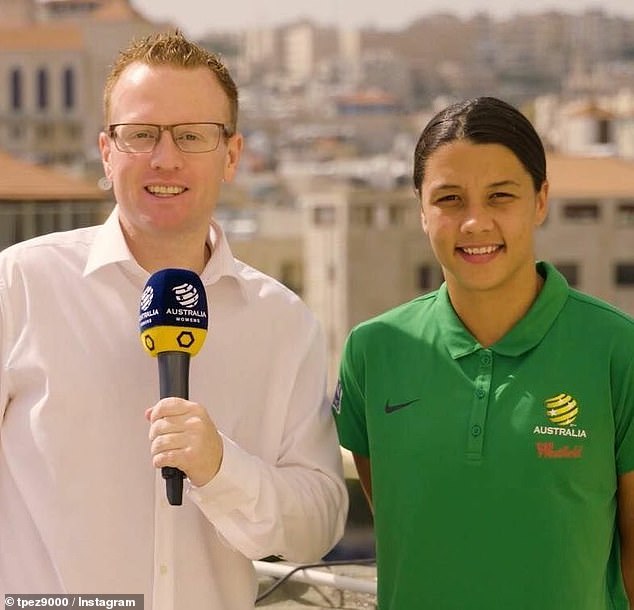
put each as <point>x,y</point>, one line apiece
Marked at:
<point>494,471</point>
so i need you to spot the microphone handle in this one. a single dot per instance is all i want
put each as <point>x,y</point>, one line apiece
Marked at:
<point>173,382</point>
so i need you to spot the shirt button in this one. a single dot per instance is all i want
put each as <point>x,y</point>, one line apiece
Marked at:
<point>163,569</point>
<point>476,430</point>
<point>486,359</point>
<point>480,393</point>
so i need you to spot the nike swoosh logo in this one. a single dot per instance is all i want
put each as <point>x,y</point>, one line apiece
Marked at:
<point>391,408</point>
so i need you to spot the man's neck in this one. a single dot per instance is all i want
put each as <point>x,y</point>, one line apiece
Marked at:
<point>185,252</point>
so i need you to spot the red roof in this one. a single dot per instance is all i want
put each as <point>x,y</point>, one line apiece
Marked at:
<point>42,36</point>
<point>23,181</point>
<point>593,177</point>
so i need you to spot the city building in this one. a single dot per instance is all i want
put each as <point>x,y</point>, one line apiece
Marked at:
<point>54,56</point>
<point>333,117</point>
<point>35,200</point>
<point>589,233</point>
<point>354,252</point>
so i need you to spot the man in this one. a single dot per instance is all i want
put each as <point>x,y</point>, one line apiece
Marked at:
<point>491,421</point>
<point>82,502</point>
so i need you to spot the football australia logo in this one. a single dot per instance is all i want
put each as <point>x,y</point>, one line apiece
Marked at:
<point>186,295</point>
<point>146,298</point>
<point>336,401</point>
<point>562,411</point>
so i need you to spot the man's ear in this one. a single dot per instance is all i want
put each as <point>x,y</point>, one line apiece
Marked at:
<point>105,149</point>
<point>232,158</point>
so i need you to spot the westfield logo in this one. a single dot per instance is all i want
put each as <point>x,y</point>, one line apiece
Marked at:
<point>547,450</point>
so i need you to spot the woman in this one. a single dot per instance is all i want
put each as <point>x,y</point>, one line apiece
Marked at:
<point>491,420</point>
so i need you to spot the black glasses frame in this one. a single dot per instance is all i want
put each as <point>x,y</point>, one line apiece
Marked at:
<point>226,132</point>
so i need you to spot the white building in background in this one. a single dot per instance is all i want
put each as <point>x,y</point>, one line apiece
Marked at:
<point>587,129</point>
<point>54,57</point>
<point>299,52</point>
<point>624,137</point>
<point>350,56</point>
<point>595,126</point>
<point>258,51</point>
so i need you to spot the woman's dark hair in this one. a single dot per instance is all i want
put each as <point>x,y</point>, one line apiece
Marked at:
<point>483,120</point>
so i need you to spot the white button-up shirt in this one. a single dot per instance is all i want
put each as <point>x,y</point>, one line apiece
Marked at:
<point>82,510</point>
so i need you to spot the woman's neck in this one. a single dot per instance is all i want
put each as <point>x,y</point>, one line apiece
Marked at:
<point>491,314</point>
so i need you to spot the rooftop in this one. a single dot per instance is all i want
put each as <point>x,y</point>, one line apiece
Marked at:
<point>43,37</point>
<point>590,177</point>
<point>24,181</point>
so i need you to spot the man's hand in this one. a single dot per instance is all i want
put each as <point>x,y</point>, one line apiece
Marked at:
<point>183,436</point>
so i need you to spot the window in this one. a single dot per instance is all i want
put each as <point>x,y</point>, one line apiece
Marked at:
<point>68,89</point>
<point>84,215</point>
<point>19,227</point>
<point>624,274</point>
<point>73,131</point>
<point>15,88</point>
<point>291,276</point>
<point>42,89</point>
<point>582,212</point>
<point>17,132</point>
<point>12,224</point>
<point>625,215</point>
<point>603,132</point>
<point>19,218</point>
<point>397,215</point>
<point>324,215</point>
<point>47,218</point>
<point>570,271</point>
<point>429,277</point>
<point>44,131</point>
<point>362,215</point>
<point>424,277</point>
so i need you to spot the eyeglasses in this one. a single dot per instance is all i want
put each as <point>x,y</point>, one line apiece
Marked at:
<point>188,137</point>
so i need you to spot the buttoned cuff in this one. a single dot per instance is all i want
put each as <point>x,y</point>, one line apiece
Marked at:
<point>231,486</point>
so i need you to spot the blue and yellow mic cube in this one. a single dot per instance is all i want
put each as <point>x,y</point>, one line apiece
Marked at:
<point>173,314</point>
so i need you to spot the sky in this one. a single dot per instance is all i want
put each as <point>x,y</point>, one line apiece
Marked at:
<point>197,17</point>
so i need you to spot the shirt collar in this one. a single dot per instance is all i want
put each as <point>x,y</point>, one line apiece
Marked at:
<point>526,334</point>
<point>459,341</point>
<point>110,247</point>
<point>532,328</point>
<point>222,262</point>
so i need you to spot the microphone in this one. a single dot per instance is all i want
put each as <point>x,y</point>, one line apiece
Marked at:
<point>173,323</point>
